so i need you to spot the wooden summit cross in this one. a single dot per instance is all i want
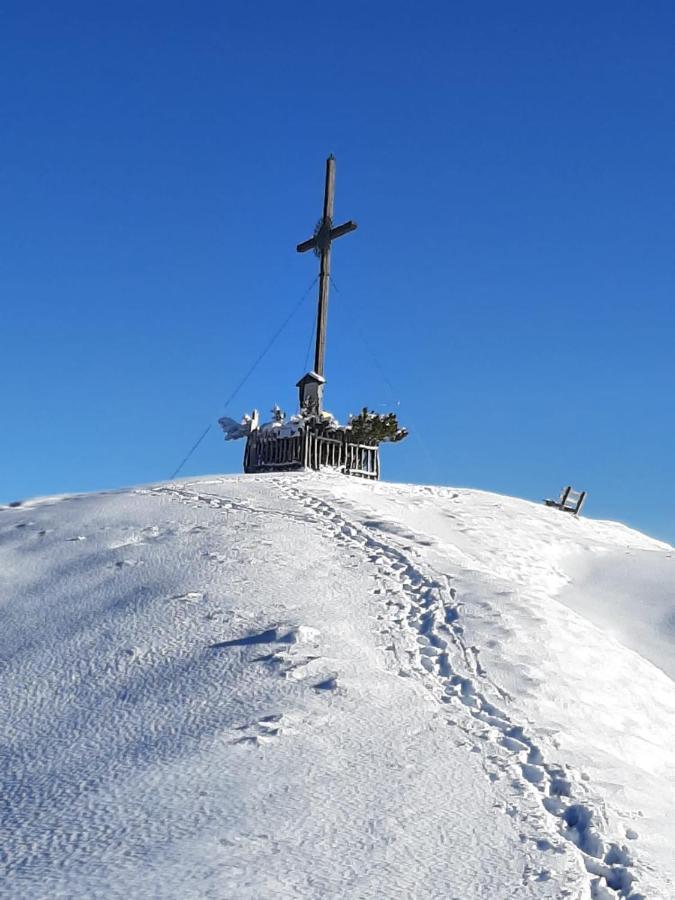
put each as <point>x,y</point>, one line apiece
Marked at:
<point>324,235</point>
<point>314,439</point>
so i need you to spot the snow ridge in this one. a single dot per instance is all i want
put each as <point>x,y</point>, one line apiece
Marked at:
<point>304,685</point>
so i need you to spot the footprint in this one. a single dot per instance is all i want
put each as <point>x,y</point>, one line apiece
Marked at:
<point>189,597</point>
<point>263,731</point>
<point>294,634</point>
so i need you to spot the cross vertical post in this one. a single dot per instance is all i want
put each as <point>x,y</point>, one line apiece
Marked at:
<point>324,270</point>
<point>324,235</point>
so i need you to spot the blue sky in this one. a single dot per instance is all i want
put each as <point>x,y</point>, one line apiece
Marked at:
<point>509,290</point>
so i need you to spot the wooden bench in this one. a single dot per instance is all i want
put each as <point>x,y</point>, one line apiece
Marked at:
<point>569,500</point>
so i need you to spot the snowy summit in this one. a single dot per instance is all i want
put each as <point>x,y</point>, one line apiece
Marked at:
<point>309,686</point>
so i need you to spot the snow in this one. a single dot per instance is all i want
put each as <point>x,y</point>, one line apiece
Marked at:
<point>234,430</point>
<point>279,425</point>
<point>306,686</point>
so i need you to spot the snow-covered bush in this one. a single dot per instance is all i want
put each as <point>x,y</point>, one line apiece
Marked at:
<point>374,428</point>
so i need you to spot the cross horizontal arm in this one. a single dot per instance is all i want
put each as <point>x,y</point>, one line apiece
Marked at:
<point>342,229</point>
<point>333,234</point>
<point>306,245</point>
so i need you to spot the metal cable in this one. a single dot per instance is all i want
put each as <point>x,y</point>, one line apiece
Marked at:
<point>248,374</point>
<point>309,346</point>
<point>378,365</point>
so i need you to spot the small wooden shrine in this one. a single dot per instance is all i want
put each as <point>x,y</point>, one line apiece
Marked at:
<point>313,439</point>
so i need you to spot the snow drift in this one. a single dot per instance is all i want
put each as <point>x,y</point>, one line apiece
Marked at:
<point>308,686</point>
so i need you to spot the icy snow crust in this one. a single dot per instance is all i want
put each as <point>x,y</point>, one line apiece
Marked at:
<point>307,686</point>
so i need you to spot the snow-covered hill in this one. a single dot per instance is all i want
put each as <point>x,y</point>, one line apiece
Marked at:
<point>308,686</point>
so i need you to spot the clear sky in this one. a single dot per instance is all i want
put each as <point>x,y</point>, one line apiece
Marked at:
<point>509,290</point>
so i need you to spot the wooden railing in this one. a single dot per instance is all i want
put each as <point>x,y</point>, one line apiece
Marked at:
<point>309,450</point>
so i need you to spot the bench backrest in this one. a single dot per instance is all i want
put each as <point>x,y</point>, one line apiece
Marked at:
<point>571,500</point>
